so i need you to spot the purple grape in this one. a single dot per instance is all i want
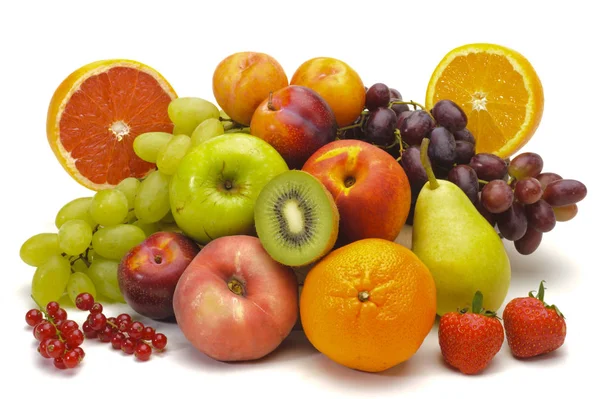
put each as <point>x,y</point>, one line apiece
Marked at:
<point>411,163</point>
<point>547,178</point>
<point>395,94</point>
<point>541,216</point>
<point>488,166</point>
<point>565,213</point>
<point>449,115</point>
<point>564,192</point>
<point>489,216</point>
<point>512,223</point>
<point>527,164</point>
<point>464,152</point>
<point>377,96</point>
<point>465,177</point>
<point>416,127</point>
<point>380,126</point>
<point>399,108</point>
<point>442,147</point>
<point>529,242</point>
<point>528,190</point>
<point>497,196</point>
<point>403,115</point>
<point>464,135</point>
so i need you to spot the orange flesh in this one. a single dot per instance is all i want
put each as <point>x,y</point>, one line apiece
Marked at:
<point>103,117</point>
<point>492,94</point>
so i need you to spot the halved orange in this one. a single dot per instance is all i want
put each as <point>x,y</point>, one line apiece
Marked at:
<point>97,112</point>
<point>499,91</point>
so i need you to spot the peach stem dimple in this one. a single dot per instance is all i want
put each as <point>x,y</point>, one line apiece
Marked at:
<point>236,287</point>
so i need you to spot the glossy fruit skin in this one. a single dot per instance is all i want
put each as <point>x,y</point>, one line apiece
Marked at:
<point>335,81</point>
<point>296,121</point>
<point>370,189</point>
<point>243,80</point>
<point>149,272</point>
<point>469,341</point>
<point>532,328</point>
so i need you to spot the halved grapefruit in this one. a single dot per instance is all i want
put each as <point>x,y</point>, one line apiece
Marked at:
<point>97,112</point>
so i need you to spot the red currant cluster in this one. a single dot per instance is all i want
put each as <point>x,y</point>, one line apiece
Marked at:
<point>59,338</point>
<point>132,337</point>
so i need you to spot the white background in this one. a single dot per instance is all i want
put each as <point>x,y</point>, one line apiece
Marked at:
<point>398,43</point>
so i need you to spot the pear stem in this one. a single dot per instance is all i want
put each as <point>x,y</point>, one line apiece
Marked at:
<point>433,183</point>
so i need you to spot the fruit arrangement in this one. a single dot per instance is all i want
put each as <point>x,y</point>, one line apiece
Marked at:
<point>279,206</point>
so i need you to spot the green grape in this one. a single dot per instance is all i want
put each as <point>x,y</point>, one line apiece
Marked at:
<point>109,207</point>
<point>82,264</point>
<point>146,145</point>
<point>37,249</point>
<point>79,266</point>
<point>113,242</point>
<point>103,273</point>
<point>79,283</point>
<point>152,200</point>
<point>74,237</point>
<point>148,228</point>
<point>169,227</point>
<point>207,130</point>
<point>78,208</point>
<point>225,120</point>
<point>172,153</point>
<point>50,280</point>
<point>188,112</point>
<point>168,218</point>
<point>129,187</point>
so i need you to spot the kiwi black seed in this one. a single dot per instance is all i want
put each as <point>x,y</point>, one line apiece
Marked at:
<point>296,218</point>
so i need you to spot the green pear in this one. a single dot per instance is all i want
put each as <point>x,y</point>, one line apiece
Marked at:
<point>461,249</point>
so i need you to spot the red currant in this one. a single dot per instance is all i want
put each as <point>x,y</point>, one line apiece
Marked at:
<point>84,301</point>
<point>71,359</point>
<point>80,352</point>
<point>43,346</point>
<point>148,333</point>
<point>143,351</point>
<point>112,320</point>
<point>136,330</point>
<point>123,325</point>
<point>128,346</point>
<point>67,326</point>
<point>59,315</point>
<point>159,341</point>
<point>97,321</point>
<point>117,340</point>
<point>44,330</point>
<point>74,338</point>
<point>55,348</point>
<point>96,308</point>
<point>88,331</point>
<point>124,317</point>
<point>59,363</point>
<point>106,334</point>
<point>52,307</point>
<point>33,317</point>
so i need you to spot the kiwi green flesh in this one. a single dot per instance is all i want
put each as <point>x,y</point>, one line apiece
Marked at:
<point>294,218</point>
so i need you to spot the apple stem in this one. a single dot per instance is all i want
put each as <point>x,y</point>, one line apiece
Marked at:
<point>270,102</point>
<point>433,183</point>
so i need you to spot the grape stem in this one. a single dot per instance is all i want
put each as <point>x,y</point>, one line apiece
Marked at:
<point>433,183</point>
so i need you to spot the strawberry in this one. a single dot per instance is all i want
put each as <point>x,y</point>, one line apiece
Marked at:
<point>532,326</point>
<point>470,340</point>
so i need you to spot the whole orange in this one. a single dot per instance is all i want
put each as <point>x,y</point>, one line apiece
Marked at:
<point>368,305</point>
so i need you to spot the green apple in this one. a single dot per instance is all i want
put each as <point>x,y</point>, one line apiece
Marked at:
<point>214,189</point>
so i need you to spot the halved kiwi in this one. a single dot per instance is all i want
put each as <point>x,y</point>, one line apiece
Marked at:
<point>296,218</point>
